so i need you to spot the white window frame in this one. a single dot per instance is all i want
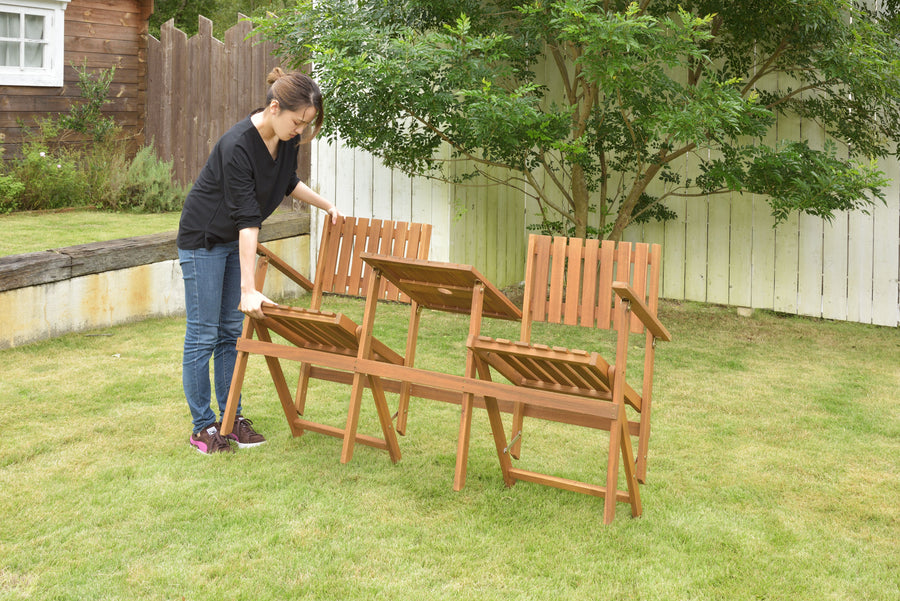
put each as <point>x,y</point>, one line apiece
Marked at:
<point>51,73</point>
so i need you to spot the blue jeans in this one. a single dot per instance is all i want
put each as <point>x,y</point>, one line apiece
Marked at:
<point>212,293</point>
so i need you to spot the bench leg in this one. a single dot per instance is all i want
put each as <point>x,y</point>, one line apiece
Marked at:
<point>518,419</point>
<point>281,387</point>
<point>352,418</point>
<point>384,416</point>
<point>462,445</point>
<point>634,493</point>
<point>234,393</point>
<point>302,388</point>
<point>411,338</point>
<point>503,451</point>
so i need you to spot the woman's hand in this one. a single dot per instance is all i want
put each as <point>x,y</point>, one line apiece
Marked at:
<point>304,193</point>
<point>251,303</point>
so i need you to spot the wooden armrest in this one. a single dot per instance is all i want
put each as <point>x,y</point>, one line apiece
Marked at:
<point>291,273</point>
<point>639,308</point>
<point>267,305</point>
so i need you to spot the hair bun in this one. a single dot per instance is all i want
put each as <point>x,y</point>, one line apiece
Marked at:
<point>275,75</point>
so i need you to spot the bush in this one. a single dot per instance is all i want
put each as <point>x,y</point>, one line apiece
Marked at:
<point>51,181</point>
<point>99,175</point>
<point>87,117</point>
<point>10,192</point>
<point>104,164</point>
<point>146,186</point>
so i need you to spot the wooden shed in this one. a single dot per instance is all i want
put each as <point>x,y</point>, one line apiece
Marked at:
<point>42,42</point>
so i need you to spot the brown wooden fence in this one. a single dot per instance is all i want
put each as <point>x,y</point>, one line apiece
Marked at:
<point>197,88</point>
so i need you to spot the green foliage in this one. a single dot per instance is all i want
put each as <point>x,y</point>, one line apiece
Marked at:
<point>223,13</point>
<point>797,178</point>
<point>10,192</point>
<point>100,175</point>
<point>51,181</point>
<point>87,117</point>
<point>10,189</point>
<point>587,103</point>
<point>184,12</point>
<point>147,186</point>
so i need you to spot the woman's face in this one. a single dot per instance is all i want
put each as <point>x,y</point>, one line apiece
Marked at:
<point>289,124</point>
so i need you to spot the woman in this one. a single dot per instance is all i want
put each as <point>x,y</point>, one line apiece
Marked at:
<point>246,177</point>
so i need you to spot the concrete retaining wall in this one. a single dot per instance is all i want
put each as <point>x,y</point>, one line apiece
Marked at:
<point>91,286</point>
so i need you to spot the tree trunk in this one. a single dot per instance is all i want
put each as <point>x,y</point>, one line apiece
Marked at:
<point>623,219</point>
<point>580,200</point>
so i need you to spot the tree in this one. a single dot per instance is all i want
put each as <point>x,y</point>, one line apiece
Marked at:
<point>642,85</point>
<point>223,13</point>
<point>184,12</point>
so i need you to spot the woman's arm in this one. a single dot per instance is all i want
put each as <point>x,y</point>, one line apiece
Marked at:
<point>304,193</point>
<point>251,298</point>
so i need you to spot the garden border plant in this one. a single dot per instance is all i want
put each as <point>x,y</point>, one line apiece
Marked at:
<point>80,159</point>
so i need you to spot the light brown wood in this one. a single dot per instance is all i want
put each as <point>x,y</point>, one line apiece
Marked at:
<point>445,387</point>
<point>340,270</point>
<point>329,333</point>
<point>442,286</point>
<point>603,285</point>
<point>468,402</point>
<point>571,386</point>
<point>237,379</point>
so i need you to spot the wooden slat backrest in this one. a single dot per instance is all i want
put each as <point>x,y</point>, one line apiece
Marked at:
<point>339,269</point>
<point>569,280</point>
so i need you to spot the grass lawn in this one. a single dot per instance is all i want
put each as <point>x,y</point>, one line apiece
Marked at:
<point>774,473</point>
<point>35,231</point>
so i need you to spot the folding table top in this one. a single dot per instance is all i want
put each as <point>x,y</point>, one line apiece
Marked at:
<point>442,286</point>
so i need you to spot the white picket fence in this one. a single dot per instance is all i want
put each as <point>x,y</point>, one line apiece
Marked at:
<point>721,250</point>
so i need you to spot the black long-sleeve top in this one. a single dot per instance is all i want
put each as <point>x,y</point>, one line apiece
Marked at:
<point>239,187</point>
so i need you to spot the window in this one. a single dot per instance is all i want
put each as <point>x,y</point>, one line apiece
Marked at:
<point>31,42</point>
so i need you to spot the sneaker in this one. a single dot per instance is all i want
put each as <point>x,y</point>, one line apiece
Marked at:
<point>209,441</point>
<point>244,434</point>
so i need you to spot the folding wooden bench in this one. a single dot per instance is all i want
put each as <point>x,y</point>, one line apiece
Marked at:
<point>333,343</point>
<point>576,282</point>
<point>339,270</point>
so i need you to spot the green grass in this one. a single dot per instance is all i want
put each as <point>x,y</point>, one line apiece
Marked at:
<point>39,230</point>
<point>773,474</point>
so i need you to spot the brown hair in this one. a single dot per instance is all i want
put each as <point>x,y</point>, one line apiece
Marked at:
<point>296,91</point>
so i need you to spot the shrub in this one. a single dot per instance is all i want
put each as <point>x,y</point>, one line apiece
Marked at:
<point>99,175</point>
<point>51,181</point>
<point>104,165</point>
<point>10,192</point>
<point>147,185</point>
<point>86,117</point>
